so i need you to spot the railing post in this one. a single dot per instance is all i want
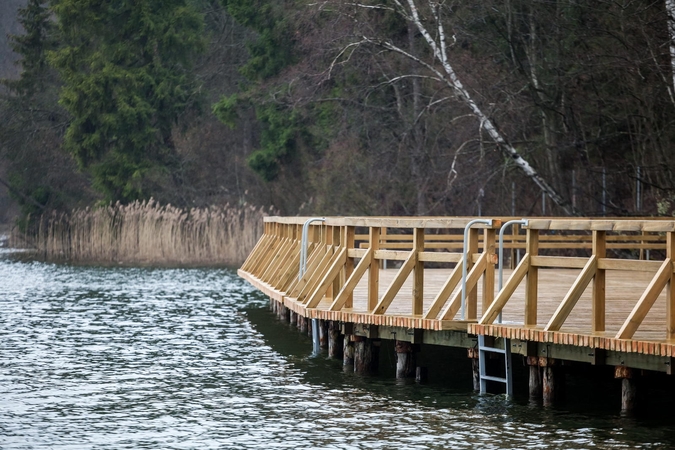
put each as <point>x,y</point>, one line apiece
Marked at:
<point>500,259</point>
<point>349,265</point>
<point>670,290</point>
<point>374,270</point>
<point>418,273</point>
<point>335,287</point>
<point>598,309</point>
<point>489,235</point>
<point>472,296</point>
<point>470,247</point>
<point>532,279</point>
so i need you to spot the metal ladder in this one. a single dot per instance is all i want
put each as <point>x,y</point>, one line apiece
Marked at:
<point>484,378</point>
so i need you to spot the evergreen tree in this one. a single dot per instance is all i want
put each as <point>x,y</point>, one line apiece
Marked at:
<point>272,50</point>
<point>38,175</point>
<point>126,70</point>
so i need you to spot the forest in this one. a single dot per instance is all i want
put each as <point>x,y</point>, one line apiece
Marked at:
<point>387,107</point>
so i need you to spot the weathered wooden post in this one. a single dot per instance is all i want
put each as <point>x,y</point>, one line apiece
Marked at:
<point>293,317</point>
<point>302,323</point>
<point>405,359</point>
<point>335,345</point>
<point>284,313</point>
<point>323,333</point>
<point>366,355</point>
<point>473,353</point>
<point>308,326</point>
<point>535,382</point>
<point>348,351</point>
<point>628,388</point>
<point>552,381</point>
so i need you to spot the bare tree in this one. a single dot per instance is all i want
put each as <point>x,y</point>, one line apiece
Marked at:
<point>426,16</point>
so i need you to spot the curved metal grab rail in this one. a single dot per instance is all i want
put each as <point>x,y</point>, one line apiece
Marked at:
<point>500,284</point>
<point>487,222</point>
<point>303,248</point>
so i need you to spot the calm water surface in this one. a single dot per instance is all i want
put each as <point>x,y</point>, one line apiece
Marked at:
<point>118,358</point>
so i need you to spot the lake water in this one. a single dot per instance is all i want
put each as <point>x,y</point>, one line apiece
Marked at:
<point>119,358</point>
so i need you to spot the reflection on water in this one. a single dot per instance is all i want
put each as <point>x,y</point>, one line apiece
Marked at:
<point>141,358</point>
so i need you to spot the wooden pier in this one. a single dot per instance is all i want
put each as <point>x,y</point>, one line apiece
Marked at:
<point>594,291</point>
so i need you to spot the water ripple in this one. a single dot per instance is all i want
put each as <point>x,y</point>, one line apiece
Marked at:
<point>108,358</point>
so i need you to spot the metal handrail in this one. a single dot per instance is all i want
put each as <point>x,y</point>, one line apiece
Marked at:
<point>487,222</point>
<point>303,247</point>
<point>500,284</point>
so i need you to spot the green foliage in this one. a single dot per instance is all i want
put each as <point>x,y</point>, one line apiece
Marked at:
<point>126,69</point>
<point>226,110</point>
<point>279,140</point>
<point>32,46</point>
<point>270,52</point>
<point>273,48</point>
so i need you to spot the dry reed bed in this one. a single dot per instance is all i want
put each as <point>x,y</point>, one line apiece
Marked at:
<point>147,233</point>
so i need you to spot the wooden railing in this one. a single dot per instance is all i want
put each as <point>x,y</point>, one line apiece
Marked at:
<point>341,251</point>
<point>626,234</point>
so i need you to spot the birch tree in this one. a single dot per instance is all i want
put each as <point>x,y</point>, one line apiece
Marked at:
<point>670,10</point>
<point>427,17</point>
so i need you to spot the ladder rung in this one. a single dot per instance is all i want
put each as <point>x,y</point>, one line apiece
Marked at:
<point>490,378</point>
<point>492,350</point>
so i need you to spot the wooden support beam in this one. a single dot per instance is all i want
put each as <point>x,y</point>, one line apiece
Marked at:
<point>337,262</point>
<point>335,287</point>
<point>418,273</point>
<point>314,276</point>
<point>313,261</point>
<point>471,296</point>
<point>489,237</point>
<point>490,315</point>
<point>559,262</point>
<point>443,295</point>
<point>347,291</point>
<point>349,267</point>
<point>646,301</point>
<point>396,284</point>
<point>598,295</point>
<point>471,280</point>
<point>374,271</point>
<point>277,259</point>
<point>572,297</point>
<point>292,252</point>
<point>532,281</point>
<point>670,292</point>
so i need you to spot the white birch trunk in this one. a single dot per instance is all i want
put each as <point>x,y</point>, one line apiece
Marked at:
<point>670,10</point>
<point>439,49</point>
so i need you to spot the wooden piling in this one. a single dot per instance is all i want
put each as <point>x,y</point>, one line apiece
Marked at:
<point>552,381</point>
<point>335,344</point>
<point>405,359</point>
<point>302,324</point>
<point>284,313</point>
<point>628,388</point>
<point>535,382</point>
<point>472,353</point>
<point>366,355</point>
<point>323,333</point>
<point>348,351</point>
<point>293,317</point>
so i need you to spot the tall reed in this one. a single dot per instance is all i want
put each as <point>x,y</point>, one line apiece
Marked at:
<point>146,233</point>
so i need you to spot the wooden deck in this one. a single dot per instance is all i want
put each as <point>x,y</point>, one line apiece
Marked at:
<point>579,282</point>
